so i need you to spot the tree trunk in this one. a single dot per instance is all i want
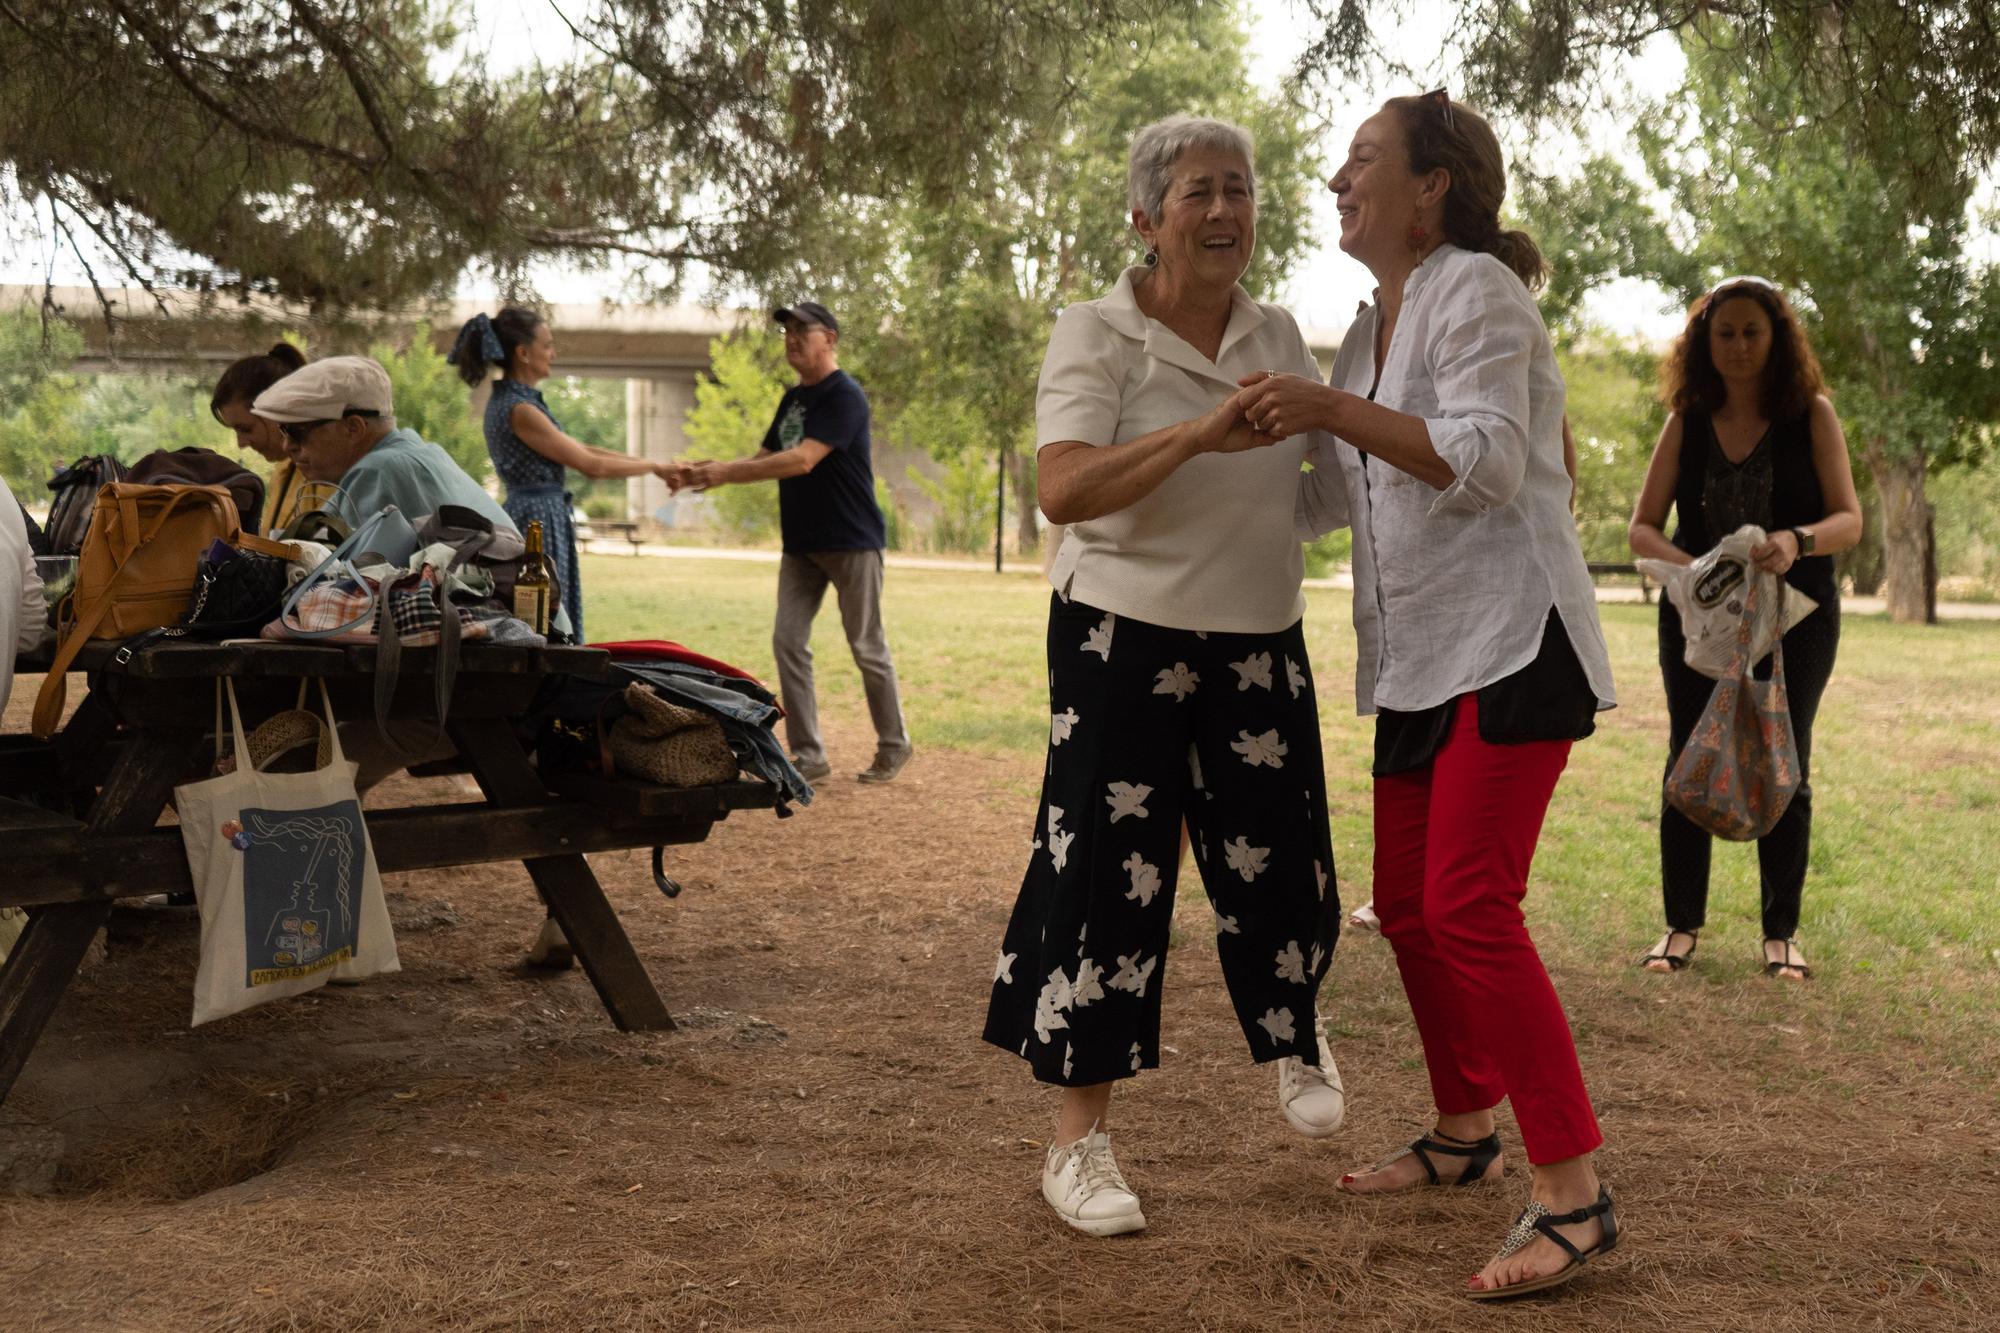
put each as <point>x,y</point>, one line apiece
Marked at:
<point>1861,564</point>
<point>1908,564</point>
<point>1027,534</point>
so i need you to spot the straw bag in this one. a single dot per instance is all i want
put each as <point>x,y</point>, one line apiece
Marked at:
<point>137,570</point>
<point>1740,766</point>
<point>668,744</point>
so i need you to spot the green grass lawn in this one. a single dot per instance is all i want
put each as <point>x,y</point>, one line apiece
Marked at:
<point>1900,911</point>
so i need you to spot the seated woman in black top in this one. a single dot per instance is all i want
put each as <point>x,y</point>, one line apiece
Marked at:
<point>1751,438</point>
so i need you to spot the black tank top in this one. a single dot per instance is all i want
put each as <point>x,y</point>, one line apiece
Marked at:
<point>1776,487</point>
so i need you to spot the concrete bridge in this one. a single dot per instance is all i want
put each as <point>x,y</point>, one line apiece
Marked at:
<point>660,352</point>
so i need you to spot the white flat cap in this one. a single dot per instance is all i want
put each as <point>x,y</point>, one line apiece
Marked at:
<point>327,390</point>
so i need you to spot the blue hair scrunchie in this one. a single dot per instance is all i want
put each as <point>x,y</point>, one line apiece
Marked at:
<point>478,334</point>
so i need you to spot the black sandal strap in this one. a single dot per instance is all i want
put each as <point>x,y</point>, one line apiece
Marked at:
<point>1548,1222</point>
<point>1537,1218</point>
<point>1675,961</point>
<point>1419,1151</point>
<point>1479,1155</point>
<point>1773,966</point>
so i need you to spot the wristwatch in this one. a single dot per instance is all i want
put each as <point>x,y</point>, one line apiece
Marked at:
<point>1805,539</point>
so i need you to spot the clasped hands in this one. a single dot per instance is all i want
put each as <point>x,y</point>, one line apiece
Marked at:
<point>697,476</point>
<point>1270,407</point>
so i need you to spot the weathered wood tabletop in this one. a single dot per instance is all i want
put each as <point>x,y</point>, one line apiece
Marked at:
<point>80,812</point>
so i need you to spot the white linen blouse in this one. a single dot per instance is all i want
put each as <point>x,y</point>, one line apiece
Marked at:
<point>1452,587</point>
<point>1209,548</point>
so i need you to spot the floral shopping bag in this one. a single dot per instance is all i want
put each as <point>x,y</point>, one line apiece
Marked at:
<point>1740,766</point>
<point>284,875</point>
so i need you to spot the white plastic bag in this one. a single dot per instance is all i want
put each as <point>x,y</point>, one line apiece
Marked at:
<point>1709,595</point>
<point>285,878</point>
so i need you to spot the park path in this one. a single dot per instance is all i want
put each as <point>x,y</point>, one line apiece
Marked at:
<point>1851,605</point>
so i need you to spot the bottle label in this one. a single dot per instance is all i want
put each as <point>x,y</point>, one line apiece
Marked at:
<point>531,604</point>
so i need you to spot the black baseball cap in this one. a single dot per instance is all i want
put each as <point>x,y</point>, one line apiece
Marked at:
<point>807,312</point>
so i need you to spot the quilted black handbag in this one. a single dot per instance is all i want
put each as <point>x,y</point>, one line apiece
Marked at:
<point>236,593</point>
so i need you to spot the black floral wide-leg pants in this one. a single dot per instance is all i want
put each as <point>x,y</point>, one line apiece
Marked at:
<point>1148,726</point>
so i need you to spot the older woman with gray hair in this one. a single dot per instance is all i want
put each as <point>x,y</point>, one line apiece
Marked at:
<point>1179,686</point>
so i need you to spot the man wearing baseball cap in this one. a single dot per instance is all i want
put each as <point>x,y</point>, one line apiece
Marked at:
<point>339,423</point>
<point>817,450</point>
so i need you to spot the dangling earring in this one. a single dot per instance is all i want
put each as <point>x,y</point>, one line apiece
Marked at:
<point>1420,236</point>
<point>1152,257</point>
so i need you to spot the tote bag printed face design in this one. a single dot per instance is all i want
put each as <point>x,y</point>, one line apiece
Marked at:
<point>301,889</point>
<point>289,894</point>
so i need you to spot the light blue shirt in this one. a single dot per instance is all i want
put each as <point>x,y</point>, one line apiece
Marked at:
<point>416,476</point>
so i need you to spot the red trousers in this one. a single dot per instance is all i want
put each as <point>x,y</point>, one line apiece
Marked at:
<point>1453,842</point>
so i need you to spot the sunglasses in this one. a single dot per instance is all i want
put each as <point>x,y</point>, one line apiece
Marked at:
<point>296,431</point>
<point>1439,101</point>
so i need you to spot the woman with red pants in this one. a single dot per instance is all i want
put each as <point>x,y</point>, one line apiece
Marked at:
<point>1478,651</point>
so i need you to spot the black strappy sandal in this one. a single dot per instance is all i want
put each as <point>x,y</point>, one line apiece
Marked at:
<point>1775,966</point>
<point>1536,1220</point>
<point>1674,961</point>
<point>1478,1154</point>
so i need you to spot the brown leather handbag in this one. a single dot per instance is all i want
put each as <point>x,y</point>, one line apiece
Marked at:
<point>137,570</point>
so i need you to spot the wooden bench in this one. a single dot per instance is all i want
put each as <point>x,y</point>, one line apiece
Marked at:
<point>1598,570</point>
<point>143,729</point>
<point>596,529</point>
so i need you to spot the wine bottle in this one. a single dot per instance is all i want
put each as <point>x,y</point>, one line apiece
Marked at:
<point>533,586</point>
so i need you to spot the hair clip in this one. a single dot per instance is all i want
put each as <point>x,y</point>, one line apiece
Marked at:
<point>1739,280</point>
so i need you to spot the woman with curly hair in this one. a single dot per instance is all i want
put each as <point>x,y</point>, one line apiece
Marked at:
<point>1750,438</point>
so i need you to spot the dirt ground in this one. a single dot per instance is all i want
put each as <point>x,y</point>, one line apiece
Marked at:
<point>824,1143</point>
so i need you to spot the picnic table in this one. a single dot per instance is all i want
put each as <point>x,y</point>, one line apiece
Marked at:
<point>146,726</point>
<point>593,529</point>
<point>1598,568</point>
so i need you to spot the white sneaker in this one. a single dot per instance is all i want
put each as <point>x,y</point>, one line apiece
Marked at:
<point>551,948</point>
<point>1081,1182</point>
<point>1312,1096</point>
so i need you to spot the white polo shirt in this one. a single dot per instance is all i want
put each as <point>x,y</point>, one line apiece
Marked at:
<point>1213,547</point>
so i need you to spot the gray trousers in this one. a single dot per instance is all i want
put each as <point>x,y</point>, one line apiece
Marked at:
<point>856,577</point>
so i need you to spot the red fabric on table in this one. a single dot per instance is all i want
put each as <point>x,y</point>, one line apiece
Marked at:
<point>1453,843</point>
<point>670,651</point>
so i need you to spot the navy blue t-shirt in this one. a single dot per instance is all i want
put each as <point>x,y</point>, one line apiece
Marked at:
<point>832,507</point>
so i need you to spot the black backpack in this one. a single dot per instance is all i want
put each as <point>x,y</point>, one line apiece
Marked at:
<point>76,488</point>
<point>38,541</point>
<point>195,466</point>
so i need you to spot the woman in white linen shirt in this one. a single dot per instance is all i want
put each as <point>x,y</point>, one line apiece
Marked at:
<point>1179,686</point>
<point>1478,650</point>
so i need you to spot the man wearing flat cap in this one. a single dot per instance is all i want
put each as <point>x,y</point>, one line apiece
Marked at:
<point>817,450</point>
<point>339,422</point>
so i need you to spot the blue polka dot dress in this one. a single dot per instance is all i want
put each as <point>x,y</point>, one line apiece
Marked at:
<point>535,490</point>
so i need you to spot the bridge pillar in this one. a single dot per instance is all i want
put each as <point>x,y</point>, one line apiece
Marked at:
<point>656,409</point>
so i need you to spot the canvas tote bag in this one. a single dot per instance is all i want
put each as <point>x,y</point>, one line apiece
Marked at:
<point>284,875</point>
<point>1740,766</point>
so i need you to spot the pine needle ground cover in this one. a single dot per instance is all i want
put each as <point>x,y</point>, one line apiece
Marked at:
<point>825,1144</point>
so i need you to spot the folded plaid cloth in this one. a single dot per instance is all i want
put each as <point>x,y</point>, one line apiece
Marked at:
<point>411,603</point>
